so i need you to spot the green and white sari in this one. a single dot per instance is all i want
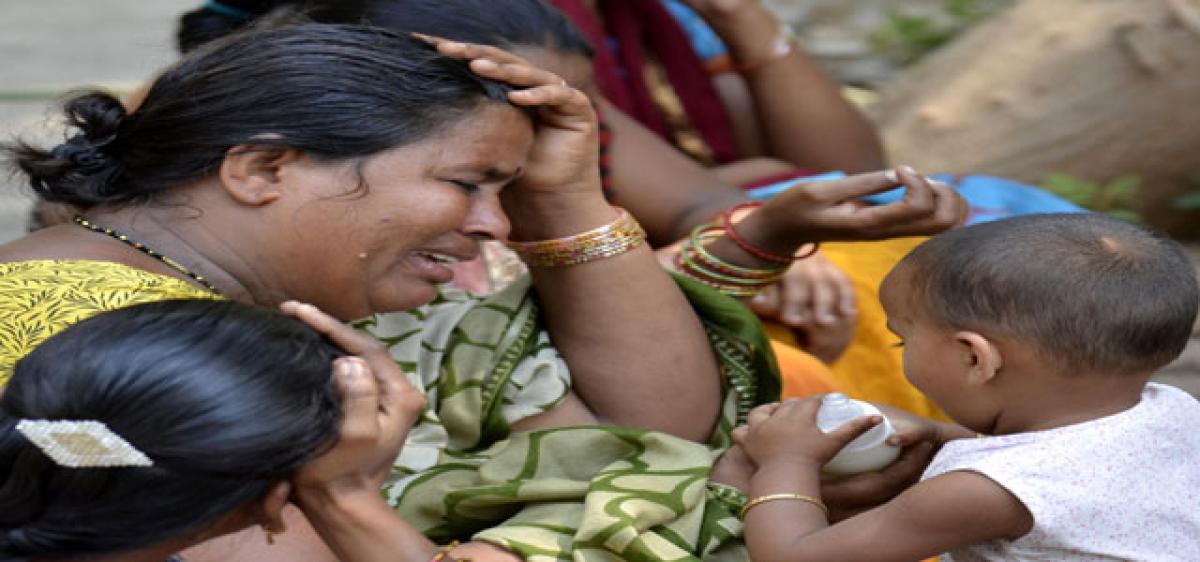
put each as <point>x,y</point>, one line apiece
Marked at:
<point>575,493</point>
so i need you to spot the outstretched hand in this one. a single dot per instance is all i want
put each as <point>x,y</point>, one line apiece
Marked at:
<point>379,406</point>
<point>830,210</point>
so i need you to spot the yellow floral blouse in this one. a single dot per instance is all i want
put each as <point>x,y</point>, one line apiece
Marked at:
<point>42,297</point>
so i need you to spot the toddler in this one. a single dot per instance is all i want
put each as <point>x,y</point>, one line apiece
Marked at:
<point>1039,333</point>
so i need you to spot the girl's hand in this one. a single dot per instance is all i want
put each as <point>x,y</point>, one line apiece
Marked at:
<point>379,406</point>
<point>830,210</point>
<point>565,154</point>
<point>787,432</point>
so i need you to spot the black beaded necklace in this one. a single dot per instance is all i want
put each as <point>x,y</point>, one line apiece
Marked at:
<point>149,252</point>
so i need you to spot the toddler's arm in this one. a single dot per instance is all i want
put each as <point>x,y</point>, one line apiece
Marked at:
<point>945,512</point>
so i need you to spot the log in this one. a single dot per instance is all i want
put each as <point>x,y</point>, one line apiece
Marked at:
<point>1095,89</point>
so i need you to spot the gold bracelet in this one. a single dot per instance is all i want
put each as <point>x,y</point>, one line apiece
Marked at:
<point>613,239</point>
<point>772,497</point>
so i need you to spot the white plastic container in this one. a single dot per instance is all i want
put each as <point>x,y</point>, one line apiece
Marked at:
<point>870,450</point>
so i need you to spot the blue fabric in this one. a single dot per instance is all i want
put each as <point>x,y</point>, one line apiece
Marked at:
<point>990,198</point>
<point>705,41</point>
<point>994,198</point>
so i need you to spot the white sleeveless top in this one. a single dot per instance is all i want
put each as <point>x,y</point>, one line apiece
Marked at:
<point>1122,487</point>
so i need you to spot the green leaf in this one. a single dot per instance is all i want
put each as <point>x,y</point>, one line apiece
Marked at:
<point>1187,202</point>
<point>1124,189</point>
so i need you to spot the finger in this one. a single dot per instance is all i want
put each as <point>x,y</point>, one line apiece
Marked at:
<point>855,186</point>
<point>460,50</point>
<point>760,413</point>
<point>850,430</point>
<point>739,434</point>
<point>796,301</point>
<point>561,98</point>
<point>847,300</point>
<point>522,75</point>
<point>360,400</point>
<point>824,301</point>
<point>333,329</point>
<point>766,302</point>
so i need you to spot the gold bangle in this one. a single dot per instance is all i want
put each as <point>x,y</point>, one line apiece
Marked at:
<point>772,497</point>
<point>613,239</point>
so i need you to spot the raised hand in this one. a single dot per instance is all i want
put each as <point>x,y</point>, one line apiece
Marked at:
<point>379,406</point>
<point>565,153</point>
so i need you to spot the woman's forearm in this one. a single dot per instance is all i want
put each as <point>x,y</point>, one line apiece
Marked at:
<point>801,112</point>
<point>638,354</point>
<point>363,528</point>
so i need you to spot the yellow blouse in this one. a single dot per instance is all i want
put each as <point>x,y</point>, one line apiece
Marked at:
<point>42,297</point>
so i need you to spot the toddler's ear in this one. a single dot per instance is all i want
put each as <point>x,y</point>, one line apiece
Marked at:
<point>981,357</point>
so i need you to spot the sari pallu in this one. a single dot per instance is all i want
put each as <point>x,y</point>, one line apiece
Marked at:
<point>581,493</point>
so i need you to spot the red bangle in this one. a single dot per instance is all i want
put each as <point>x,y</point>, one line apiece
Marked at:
<point>755,251</point>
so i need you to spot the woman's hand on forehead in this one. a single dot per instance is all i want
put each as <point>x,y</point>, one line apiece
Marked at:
<point>564,158</point>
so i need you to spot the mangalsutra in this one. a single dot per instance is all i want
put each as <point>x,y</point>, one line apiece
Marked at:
<point>148,251</point>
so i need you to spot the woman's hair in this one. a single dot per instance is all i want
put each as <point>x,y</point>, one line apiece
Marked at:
<point>334,92</point>
<point>1090,292</point>
<point>506,24</point>
<point>226,400</point>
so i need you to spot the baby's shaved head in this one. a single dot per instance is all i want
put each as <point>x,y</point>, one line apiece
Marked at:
<point>1090,292</point>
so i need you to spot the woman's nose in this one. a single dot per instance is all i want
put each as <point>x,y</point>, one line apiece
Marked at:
<point>486,219</point>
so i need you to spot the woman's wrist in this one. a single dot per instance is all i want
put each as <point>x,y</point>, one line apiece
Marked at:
<point>749,32</point>
<point>546,216</point>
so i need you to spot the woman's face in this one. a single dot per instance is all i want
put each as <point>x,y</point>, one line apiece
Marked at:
<point>376,235</point>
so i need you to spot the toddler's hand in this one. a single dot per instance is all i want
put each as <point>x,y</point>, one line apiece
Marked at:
<point>788,432</point>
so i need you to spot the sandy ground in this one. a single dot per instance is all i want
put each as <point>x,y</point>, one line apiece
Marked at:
<point>51,46</point>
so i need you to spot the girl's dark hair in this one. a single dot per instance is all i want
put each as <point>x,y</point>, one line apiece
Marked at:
<point>226,399</point>
<point>507,24</point>
<point>335,92</point>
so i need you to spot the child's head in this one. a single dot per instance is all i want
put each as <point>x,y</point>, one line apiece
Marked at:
<point>1081,293</point>
<point>226,401</point>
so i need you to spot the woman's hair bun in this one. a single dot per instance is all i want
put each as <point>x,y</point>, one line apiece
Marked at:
<point>81,170</point>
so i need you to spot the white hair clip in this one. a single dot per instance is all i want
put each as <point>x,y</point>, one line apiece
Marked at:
<point>81,444</point>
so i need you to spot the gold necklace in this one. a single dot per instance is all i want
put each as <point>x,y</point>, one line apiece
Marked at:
<point>148,251</point>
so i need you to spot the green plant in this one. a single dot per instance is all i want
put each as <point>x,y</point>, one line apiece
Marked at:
<point>906,38</point>
<point>1116,197</point>
<point>1189,201</point>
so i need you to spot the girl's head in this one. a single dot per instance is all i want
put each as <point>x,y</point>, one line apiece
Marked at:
<point>226,400</point>
<point>344,162</point>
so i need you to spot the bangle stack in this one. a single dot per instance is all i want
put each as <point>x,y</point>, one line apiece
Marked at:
<point>621,235</point>
<point>695,261</point>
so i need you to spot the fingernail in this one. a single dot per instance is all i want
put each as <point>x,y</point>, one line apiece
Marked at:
<point>891,176</point>
<point>348,367</point>
<point>908,169</point>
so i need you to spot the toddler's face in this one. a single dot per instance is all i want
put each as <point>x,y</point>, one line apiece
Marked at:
<point>933,359</point>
